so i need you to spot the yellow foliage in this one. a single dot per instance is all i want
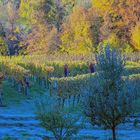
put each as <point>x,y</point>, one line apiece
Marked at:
<point>41,40</point>
<point>136,37</point>
<point>27,10</point>
<point>76,36</point>
<point>102,5</point>
<point>115,42</point>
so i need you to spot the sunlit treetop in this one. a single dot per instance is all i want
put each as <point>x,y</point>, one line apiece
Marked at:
<point>102,5</point>
<point>136,36</point>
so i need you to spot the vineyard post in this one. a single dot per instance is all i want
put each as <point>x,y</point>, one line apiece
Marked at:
<point>45,81</point>
<point>39,81</point>
<point>55,87</point>
<point>48,83</point>
<point>42,82</point>
<point>26,80</point>
<point>50,87</point>
<point>63,102</point>
<point>22,87</point>
<point>13,82</point>
<point>19,87</point>
<point>59,101</point>
<point>34,78</point>
<point>69,99</point>
<point>78,98</point>
<point>73,100</point>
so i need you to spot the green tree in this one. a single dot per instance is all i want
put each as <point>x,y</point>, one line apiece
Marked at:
<point>28,12</point>
<point>110,101</point>
<point>12,15</point>
<point>69,5</point>
<point>54,12</point>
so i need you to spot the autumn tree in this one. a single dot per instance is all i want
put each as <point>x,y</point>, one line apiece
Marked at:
<point>41,39</point>
<point>102,5</point>
<point>28,12</point>
<point>12,14</point>
<point>53,12</point>
<point>116,43</point>
<point>69,5</point>
<point>3,46</point>
<point>95,21</point>
<point>1,89</point>
<point>76,35</point>
<point>135,36</point>
<point>120,16</point>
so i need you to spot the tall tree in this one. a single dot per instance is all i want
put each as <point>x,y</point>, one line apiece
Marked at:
<point>69,5</point>
<point>111,99</point>
<point>41,40</point>
<point>102,5</point>
<point>12,15</point>
<point>120,16</point>
<point>28,12</point>
<point>76,35</point>
<point>53,12</point>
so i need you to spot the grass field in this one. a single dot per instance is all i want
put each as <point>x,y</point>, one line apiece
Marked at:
<point>19,110</point>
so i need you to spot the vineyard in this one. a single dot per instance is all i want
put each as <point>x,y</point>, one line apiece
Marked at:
<point>25,73</point>
<point>18,70</point>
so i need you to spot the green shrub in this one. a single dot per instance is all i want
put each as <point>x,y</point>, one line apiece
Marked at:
<point>72,85</point>
<point>60,122</point>
<point>110,101</point>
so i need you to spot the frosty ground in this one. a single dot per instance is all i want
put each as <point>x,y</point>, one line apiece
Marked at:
<point>18,121</point>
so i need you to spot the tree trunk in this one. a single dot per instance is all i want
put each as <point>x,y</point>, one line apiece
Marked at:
<point>113,133</point>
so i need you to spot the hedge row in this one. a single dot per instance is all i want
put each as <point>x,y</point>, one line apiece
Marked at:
<point>66,87</point>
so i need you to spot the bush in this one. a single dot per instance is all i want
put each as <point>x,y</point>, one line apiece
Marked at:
<point>61,123</point>
<point>72,85</point>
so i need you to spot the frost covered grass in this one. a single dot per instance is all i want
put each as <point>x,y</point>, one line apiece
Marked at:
<point>11,97</point>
